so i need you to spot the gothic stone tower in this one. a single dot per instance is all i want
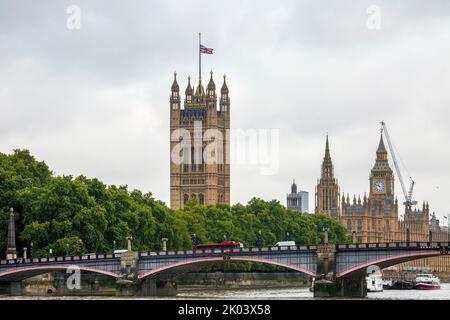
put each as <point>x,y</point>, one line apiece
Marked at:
<point>382,202</point>
<point>206,129</point>
<point>376,218</point>
<point>327,190</point>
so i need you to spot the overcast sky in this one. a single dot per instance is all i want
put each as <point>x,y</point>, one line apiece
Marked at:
<point>94,101</point>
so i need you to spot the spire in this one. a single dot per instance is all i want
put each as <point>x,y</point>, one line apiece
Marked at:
<point>382,156</point>
<point>175,86</point>
<point>211,84</point>
<point>224,89</point>
<point>11,252</point>
<point>189,89</point>
<point>293,187</point>
<point>327,149</point>
<point>381,147</point>
<point>327,164</point>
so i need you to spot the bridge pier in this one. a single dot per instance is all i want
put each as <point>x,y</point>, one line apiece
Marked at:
<point>15,288</point>
<point>157,288</point>
<point>128,284</point>
<point>355,287</point>
<point>327,285</point>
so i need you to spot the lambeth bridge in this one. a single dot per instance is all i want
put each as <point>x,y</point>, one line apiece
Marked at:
<point>338,270</point>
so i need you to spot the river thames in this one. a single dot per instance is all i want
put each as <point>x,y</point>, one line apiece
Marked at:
<point>266,294</point>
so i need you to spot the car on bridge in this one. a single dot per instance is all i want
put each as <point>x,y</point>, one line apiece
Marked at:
<point>284,244</point>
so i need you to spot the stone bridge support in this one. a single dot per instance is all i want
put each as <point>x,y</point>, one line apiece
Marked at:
<point>326,285</point>
<point>127,283</point>
<point>325,282</point>
<point>355,286</point>
<point>152,287</point>
<point>15,288</point>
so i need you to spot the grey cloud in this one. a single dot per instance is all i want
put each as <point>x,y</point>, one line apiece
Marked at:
<point>95,101</point>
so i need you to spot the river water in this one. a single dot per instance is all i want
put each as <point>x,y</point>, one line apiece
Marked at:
<point>304,293</point>
<point>289,294</point>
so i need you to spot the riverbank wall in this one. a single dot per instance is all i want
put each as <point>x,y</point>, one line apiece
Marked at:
<point>240,280</point>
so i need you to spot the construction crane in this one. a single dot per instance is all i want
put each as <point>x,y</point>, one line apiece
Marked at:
<point>408,194</point>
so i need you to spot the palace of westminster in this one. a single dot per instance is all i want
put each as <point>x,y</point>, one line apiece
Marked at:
<point>371,218</point>
<point>374,218</point>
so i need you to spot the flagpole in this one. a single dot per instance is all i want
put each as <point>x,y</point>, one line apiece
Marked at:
<point>199,58</point>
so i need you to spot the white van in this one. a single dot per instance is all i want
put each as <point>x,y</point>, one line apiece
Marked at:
<point>284,244</point>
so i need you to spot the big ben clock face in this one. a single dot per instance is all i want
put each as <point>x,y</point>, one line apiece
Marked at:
<point>379,186</point>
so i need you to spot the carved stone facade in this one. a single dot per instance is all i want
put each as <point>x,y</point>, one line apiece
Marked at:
<point>375,218</point>
<point>204,120</point>
<point>327,190</point>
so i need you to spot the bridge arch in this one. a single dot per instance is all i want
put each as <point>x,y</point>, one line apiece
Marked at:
<point>202,260</point>
<point>30,271</point>
<point>388,261</point>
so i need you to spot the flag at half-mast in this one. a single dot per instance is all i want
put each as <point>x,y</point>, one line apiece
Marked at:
<point>206,50</point>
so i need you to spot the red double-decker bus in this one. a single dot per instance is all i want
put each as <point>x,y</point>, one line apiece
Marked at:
<point>223,244</point>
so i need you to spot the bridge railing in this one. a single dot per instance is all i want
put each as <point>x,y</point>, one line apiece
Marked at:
<point>244,250</point>
<point>394,245</point>
<point>63,259</point>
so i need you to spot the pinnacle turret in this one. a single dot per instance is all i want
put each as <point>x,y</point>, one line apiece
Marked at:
<point>224,89</point>
<point>189,91</point>
<point>175,86</point>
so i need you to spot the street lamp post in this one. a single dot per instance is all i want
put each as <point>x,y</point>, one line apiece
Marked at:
<point>164,241</point>
<point>259,240</point>
<point>114,246</point>
<point>67,249</point>
<point>287,235</point>
<point>129,243</point>
<point>194,240</point>
<point>31,250</point>
<point>325,235</point>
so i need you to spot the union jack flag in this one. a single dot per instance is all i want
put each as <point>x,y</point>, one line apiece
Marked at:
<point>206,50</point>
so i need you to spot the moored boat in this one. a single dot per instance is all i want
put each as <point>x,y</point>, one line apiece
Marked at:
<point>427,282</point>
<point>402,285</point>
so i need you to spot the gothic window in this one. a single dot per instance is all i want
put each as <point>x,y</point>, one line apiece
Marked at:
<point>349,225</point>
<point>185,198</point>
<point>201,198</point>
<point>193,160</point>
<point>360,225</point>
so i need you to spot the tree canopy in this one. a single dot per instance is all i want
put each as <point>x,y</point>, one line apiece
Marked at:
<point>79,215</point>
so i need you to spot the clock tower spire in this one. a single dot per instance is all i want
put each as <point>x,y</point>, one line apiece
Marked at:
<point>381,175</point>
